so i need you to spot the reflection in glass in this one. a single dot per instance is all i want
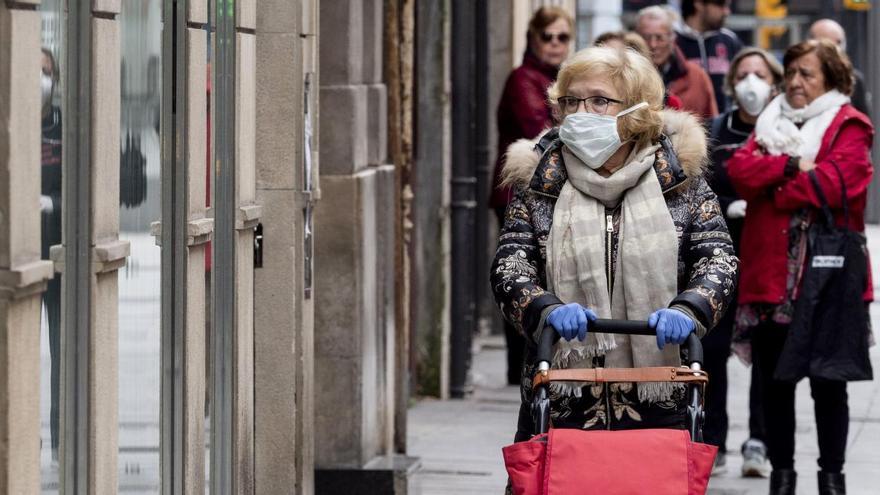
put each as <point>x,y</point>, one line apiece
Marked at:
<point>50,231</point>
<point>139,282</point>
<point>209,351</point>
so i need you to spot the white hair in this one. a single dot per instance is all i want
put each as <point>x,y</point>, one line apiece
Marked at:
<point>656,13</point>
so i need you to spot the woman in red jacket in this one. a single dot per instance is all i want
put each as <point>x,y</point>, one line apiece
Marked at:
<point>811,127</point>
<point>524,113</point>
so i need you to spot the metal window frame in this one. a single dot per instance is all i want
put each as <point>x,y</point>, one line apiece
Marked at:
<point>174,217</point>
<point>223,266</point>
<point>77,276</point>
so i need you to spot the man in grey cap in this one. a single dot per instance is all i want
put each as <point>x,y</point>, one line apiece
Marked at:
<point>829,29</point>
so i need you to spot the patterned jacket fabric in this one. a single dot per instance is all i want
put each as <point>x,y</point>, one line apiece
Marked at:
<point>707,266</point>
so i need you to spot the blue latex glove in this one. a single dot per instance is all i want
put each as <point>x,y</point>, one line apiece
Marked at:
<point>571,321</point>
<point>672,326</point>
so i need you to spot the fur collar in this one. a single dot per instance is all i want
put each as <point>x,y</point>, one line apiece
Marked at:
<point>684,131</point>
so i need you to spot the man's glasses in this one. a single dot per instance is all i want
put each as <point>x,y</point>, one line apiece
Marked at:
<point>594,104</point>
<point>660,38</point>
<point>548,37</point>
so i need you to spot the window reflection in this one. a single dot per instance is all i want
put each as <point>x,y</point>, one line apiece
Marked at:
<point>139,282</point>
<point>209,183</point>
<point>50,231</point>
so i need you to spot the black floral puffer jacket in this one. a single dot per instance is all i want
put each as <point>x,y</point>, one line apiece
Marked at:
<point>707,266</point>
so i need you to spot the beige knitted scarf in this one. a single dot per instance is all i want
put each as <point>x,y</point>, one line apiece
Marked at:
<point>647,263</point>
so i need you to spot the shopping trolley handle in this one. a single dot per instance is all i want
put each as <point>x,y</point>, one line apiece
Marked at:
<point>626,327</point>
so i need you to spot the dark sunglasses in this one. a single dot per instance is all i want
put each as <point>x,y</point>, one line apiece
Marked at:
<point>548,37</point>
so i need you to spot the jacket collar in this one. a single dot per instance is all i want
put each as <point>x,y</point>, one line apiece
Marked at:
<point>532,61</point>
<point>847,113</point>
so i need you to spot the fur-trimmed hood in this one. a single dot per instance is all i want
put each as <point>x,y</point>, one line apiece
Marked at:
<point>685,134</point>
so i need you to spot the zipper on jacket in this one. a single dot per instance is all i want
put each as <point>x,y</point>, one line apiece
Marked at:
<point>607,406</point>
<point>609,239</point>
<point>704,57</point>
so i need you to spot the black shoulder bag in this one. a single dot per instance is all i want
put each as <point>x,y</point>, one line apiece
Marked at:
<point>828,336</point>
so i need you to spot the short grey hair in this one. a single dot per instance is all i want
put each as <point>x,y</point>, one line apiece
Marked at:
<point>656,13</point>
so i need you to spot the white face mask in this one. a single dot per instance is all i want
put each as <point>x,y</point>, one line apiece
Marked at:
<point>752,94</point>
<point>592,137</point>
<point>45,88</point>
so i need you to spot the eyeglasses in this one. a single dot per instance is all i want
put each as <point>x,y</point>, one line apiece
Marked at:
<point>594,104</point>
<point>660,38</point>
<point>548,37</point>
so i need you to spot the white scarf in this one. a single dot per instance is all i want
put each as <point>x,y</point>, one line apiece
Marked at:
<point>777,131</point>
<point>646,274</point>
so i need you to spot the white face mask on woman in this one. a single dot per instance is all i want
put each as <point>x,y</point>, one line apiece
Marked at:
<point>592,137</point>
<point>752,94</point>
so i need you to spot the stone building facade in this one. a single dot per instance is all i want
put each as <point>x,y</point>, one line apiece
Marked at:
<point>237,253</point>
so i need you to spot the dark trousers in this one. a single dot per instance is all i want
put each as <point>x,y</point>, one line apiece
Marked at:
<point>515,341</point>
<point>757,429</point>
<point>50,231</point>
<point>829,402</point>
<point>52,300</point>
<point>716,350</point>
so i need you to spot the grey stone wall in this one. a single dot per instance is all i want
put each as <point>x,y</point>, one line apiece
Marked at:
<point>22,275</point>
<point>286,42</point>
<point>354,315</point>
<point>431,173</point>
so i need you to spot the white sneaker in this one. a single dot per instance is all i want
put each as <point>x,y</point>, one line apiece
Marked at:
<point>755,464</point>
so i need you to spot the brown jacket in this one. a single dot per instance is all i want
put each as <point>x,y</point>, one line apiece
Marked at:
<point>691,84</point>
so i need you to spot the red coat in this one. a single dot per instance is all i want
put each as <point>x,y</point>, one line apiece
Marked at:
<point>523,112</point>
<point>772,200</point>
<point>689,82</point>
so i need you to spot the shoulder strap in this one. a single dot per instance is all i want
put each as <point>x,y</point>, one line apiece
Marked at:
<point>823,200</point>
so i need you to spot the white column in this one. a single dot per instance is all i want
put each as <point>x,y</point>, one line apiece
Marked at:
<point>22,275</point>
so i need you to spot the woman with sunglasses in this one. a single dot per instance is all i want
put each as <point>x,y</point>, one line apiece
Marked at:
<point>524,113</point>
<point>612,218</point>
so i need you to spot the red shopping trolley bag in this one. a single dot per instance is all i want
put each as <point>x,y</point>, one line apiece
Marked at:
<point>642,461</point>
<point>567,461</point>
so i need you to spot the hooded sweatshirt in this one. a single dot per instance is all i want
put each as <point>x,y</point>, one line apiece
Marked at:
<point>713,51</point>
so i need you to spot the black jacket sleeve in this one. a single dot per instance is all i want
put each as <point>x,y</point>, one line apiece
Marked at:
<point>517,274</point>
<point>709,258</point>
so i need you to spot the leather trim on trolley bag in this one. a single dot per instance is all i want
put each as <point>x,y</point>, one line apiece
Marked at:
<point>681,374</point>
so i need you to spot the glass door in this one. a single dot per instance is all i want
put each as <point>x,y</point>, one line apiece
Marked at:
<point>51,55</point>
<point>140,287</point>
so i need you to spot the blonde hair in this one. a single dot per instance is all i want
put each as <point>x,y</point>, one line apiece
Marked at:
<point>635,77</point>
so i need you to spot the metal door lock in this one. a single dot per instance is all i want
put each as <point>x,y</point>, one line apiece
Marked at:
<point>258,246</point>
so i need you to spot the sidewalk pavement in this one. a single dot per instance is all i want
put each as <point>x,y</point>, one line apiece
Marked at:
<point>459,441</point>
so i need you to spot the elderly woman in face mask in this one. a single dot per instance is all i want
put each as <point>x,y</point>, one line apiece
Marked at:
<point>809,132</point>
<point>753,80</point>
<point>612,218</point>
